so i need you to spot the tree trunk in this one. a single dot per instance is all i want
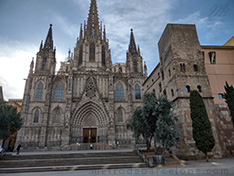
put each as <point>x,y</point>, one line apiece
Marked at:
<point>206,156</point>
<point>155,148</point>
<point>148,144</point>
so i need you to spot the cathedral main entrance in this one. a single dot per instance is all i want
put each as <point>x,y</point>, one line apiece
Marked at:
<point>89,135</point>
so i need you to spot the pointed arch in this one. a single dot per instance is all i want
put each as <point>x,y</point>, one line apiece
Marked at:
<point>59,91</point>
<point>119,114</point>
<point>135,65</point>
<point>56,115</point>
<point>85,110</point>
<point>119,91</point>
<point>39,91</point>
<point>36,116</point>
<point>92,52</point>
<point>137,91</point>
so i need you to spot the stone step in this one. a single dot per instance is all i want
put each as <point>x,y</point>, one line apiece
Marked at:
<point>69,161</point>
<point>95,168</point>
<point>72,155</point>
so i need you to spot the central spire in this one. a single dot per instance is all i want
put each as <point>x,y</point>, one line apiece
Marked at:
<point>93,21</point>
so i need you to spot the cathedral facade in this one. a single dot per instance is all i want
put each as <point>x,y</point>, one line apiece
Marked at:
<point>89,99</point>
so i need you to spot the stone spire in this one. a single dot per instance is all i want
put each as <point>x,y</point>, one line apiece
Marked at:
<point>31,66</point>
<point>139,51</point>
<point>41,46</point>
<point>104,33</point>
<point>49,40</point>
<point>93,21</point>
<point>132,45</point>
<point>145,69</point>
<point>81,32</point>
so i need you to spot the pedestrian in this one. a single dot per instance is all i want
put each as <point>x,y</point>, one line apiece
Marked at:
<point>18,149</point>
<point>91,146</point>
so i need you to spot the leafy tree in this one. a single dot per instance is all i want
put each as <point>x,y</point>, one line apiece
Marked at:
<point>10,120</point>
<point>202,133</point>
<point>150,115</point>
<point>166,132</point>
<point>143,120</point>
<point>154,120</point>
<point>229,96</point>
<point>137,124</point>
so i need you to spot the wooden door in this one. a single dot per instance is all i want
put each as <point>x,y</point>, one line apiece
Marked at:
<point>86,135</point>
<point>93,135</point>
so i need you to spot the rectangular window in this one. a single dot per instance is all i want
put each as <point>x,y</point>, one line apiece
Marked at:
<point>212,57</point>
<point>220,96</point>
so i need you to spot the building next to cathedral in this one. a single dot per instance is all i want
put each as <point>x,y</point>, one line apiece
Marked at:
<point>185,65</point>
<point>89,99</point>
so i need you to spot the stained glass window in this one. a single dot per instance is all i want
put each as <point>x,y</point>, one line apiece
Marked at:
<point>59,91</point>
<point>36,116</point>
<point>39,92</point>
<point>137,92</point>
<point>119,92</point>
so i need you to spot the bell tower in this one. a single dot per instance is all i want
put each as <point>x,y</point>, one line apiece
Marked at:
<point>134,59</point>
<point>46,61</point>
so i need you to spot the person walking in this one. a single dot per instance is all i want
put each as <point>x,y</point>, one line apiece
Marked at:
<point>18,149</point>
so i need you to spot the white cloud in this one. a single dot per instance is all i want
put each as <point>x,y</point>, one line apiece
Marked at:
<point>15,58</point>
<point>201,22</point>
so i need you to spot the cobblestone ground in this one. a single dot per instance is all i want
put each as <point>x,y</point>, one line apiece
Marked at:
<point>222,167</point>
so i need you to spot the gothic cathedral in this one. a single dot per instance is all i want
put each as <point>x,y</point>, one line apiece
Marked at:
<point>89,99</point>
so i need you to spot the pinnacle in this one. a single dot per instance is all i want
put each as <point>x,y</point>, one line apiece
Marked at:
<point>132,46</point>
<point>49,39</point>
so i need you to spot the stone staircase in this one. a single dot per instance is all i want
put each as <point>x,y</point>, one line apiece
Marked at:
<point>70,161</point>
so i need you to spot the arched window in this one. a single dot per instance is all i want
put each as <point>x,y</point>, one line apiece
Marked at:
<point>182,67</point>
<point>162,73</point>
<point>187,89</point>
<point>39,92</point>
<point>119,92</point>
<point>169,71</point>
<point>59,91</point>
<point>160,87</point>
<point>103,56</point>
<point>36,116</point>
<point>120,115</point>
<point>92,53</point>
<point>135,65</point>
<point>137,92</point>
<point>199,89</point>
<point>172,93</point>
<point>56,117</point>
<point>80,55</point>
<point>43,63</point>
<point>195,68</point>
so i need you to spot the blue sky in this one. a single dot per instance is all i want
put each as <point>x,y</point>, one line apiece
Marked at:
<point>24,23</point>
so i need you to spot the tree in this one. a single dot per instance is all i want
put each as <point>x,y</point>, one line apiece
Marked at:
<point>143,121</point>
<point>154,120</point>
<point>229,97</point>
<point>202,133</point>
<point>137,124</point>
<point>150,115</point>
<point>10,120</point>
<point>166,132</point>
